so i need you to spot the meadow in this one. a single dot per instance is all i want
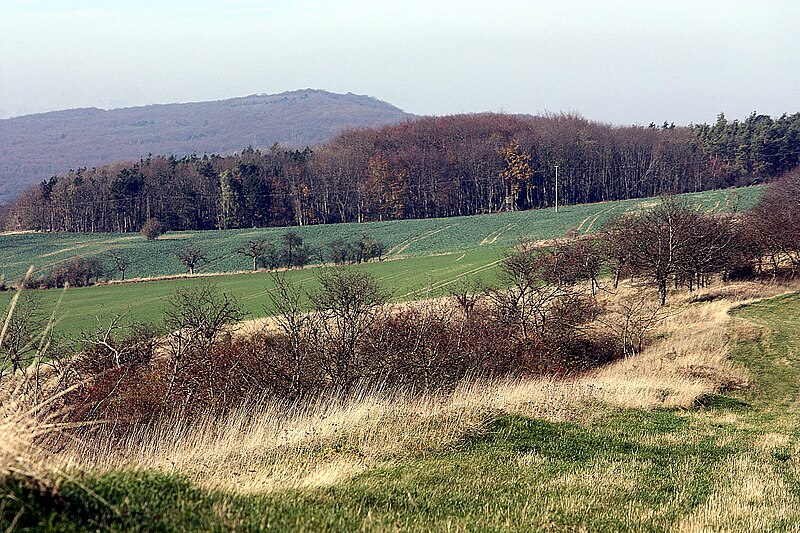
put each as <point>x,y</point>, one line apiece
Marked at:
<point>84,309</point>
<point>646,444</point>
<point>425,257</point>
<point>697,432</point>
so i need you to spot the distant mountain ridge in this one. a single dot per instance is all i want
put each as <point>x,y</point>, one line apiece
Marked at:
<point>34,147</point>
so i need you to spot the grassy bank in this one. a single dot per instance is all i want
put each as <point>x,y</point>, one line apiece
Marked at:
<point>648,443</point>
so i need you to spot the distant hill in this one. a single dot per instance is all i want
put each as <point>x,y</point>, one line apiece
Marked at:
<point>33,147</point>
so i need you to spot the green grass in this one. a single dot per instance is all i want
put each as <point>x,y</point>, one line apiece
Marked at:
<point>628,471</point>
<point>439,252</point>
<point>514,478</point>
<point>423,237</point>
<point>407,279</point>
<point>775,358</point>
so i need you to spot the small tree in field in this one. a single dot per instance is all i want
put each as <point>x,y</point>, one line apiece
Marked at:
<point>293,252</point>
<point>120,261</point>
<point>190,256</point>
<point>152,229</point>
<point>255,249</point>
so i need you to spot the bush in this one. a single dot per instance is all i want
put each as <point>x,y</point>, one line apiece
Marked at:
<point>152,229</point>
<point>79,272</point>
<point>349,340</point>
<point>365,248</point>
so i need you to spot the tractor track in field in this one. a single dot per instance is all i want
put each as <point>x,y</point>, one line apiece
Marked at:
<point>402,245</point>
<point>441,284</point>
<point>496,234</point>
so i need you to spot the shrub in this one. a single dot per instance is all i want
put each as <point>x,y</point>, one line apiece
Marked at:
<point>80,272</point>
<point>152,229</point>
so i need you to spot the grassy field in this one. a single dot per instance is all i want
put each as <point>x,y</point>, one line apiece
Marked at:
<point>406,279</point>
<point>726,463</point>
<point>426,257</point>
<point>402,237</point>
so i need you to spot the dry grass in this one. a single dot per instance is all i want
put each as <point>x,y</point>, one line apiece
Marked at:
<point>26,422</point>
<point>753,497</point>
<point>263,447</point>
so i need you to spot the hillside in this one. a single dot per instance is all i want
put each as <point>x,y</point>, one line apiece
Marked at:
<point>691,428</point>
<point>34,147</point>
<point>644,444</point>
<point>425,256</point>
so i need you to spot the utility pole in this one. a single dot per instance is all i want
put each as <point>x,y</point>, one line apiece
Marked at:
<point>556,188</point>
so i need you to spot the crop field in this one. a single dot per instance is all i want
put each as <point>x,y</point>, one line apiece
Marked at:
<point>78,309</point>
<point>425,257</point>
<point>402,237</point>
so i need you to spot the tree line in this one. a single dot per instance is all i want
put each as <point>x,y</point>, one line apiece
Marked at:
<point>430,167</point>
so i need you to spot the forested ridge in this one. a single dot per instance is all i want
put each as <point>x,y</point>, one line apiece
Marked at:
<point>430,167</point>
<point>33,147</point>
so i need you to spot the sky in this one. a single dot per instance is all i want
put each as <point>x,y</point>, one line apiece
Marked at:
<point>616,61</point>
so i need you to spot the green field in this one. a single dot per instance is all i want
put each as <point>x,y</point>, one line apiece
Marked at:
<point>425,257</point>
<point>402,237</point>
<point>731,464</point>
<point>406,279</point>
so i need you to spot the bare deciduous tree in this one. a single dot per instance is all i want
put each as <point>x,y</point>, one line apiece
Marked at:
<point>22,330</point>
<point>655,241</point>
<point>632,320</point>
<point>347,303</point>
<point>190,256</point>
<point>195,317</point>
<point>528,300</point>
<point>255,249</point>
<point>120,261</point>
<point>299,327</point>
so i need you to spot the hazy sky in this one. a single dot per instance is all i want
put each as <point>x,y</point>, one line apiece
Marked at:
<point>619,61</point>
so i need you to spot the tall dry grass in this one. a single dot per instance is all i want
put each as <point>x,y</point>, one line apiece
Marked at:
<point>265,446</point>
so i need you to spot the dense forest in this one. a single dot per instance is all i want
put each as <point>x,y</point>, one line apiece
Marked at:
<point>430,167</point>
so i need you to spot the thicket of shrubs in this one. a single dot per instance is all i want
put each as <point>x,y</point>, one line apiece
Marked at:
<point>79,272</point>
<point>195,361</point>
<point>291,252</point>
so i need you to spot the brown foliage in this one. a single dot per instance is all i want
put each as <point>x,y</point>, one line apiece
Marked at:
<point>152,229</point>
<point>772,229</point>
